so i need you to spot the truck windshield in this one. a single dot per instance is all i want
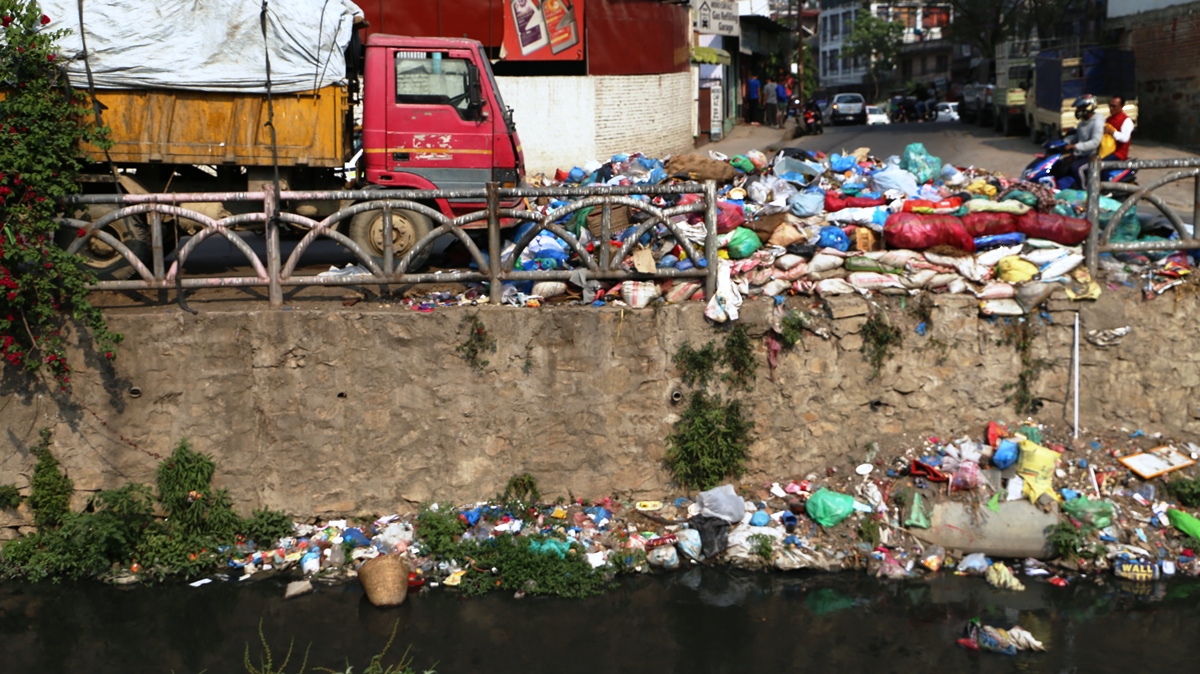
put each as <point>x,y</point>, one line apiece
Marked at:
<point>431,78</point>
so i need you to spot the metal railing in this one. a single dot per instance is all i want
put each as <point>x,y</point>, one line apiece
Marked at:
<point>604,264</point>
<point>1099,239</point>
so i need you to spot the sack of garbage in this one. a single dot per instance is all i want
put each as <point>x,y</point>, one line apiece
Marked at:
<point>730,216</point>
<point>828,508</point>
<point>1073,201</point>
<point>1053,227</point>
<point>807,203</point>
<point>1036,467</point>
<point>722,502</point>
<point>895,178</point>
<point>989,224</point>
<point>920,163</point>
<point>916,231</point>
<point>742,243</point>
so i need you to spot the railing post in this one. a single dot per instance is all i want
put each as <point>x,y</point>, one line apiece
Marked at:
<point>495,291</point>
<point>389,249</point>
<point>271,208</point>
<point>156,251</point>
<point>1093,215</point>
<point>605,236</point>
<point>710,238</point>
<point>1196,209</point>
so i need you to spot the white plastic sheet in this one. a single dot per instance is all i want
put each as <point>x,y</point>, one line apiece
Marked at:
<point>215,45</point>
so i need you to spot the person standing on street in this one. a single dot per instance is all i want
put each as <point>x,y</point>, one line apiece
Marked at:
<point>1087,138</point>
<point>1120,127</point>
<point>770,98</point>
<point>753,89</point>
<point>784,94</point>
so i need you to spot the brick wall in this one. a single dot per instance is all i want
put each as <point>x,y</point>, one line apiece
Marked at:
<point>567,121</point>
<point>1167,45</point>
<point>646,113</point>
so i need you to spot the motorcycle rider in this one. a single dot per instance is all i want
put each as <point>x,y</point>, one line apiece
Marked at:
<point>1087,138</point>
<point>1120,127</point>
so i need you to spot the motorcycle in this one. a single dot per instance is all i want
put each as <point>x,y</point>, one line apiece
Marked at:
<point>812,120</point>
<point>1053,168</point>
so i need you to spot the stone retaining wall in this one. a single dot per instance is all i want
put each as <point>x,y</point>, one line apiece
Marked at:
<point>359,412</point>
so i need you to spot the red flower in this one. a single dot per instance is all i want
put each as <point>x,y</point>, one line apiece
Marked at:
<point>109,355</point>
<point>6,21</point>
<point>49,266</point>
<point>45,19</point>
<point>12,296</point>
<point>82,232</point>
<point>50,57</point>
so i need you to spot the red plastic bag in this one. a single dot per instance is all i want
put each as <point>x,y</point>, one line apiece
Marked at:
<point>865,202</point>
<point>729,217</point>
<point>1053,227</point>
<point>834,201</point>
<point>916,231</point>
<point>989,224</point>
<point>911,204</point>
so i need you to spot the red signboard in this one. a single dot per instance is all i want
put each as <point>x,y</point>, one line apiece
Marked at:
<point>543,30</point>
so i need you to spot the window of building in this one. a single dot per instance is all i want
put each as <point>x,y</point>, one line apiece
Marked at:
<point>943,63</point>
<point>825,25</point>
<point>834,59</point>
<point>936,17</point>
<point>906,69</point>
<point>835,25</point>
<point>905,15</point>
<point>925,65</point>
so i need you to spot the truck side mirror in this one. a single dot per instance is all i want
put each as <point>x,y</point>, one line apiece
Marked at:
<point>474,89</point>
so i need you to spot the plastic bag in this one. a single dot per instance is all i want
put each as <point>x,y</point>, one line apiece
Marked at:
<point>920,163</point>
<point>917,517</point>
<point>919,232</point>
<point>1057,228</point>
<point>1013,269</point>
<point>834,237</point>
<point>933,557</point>
<point>841,164</point>
<point>722,502</point>
<point>757,158</point>
<point>966,478</point>
<point>1096,514</point>
<point>976,562</point>
<point>828,508</point>
<point>894,178</point>
<point>663,557</point>
<point>687,541</point>
<point>1005,455</point>
<point>1036,467</point>
<point>730,216</point>
<point>807,203</point>
<point>743,243</point>
<point>796,170</point>
<point>639,294</point>
<point>1184,522</point>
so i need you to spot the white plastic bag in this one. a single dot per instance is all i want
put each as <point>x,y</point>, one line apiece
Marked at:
<point>722,502</point>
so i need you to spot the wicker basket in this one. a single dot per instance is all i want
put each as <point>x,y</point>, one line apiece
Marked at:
<point>385,579</point>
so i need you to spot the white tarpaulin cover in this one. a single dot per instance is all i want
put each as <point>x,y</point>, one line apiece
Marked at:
<point>209,45</point>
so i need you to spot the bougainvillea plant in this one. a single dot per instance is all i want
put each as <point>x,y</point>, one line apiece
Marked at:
<point>43,122</point>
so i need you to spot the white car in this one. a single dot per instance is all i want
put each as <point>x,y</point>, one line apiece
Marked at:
<point>876,115</point>
<point>947,112</point>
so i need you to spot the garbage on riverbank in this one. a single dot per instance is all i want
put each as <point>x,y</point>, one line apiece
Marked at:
<point>810,224</point>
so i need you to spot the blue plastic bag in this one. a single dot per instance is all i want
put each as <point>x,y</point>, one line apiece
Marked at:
<point>1005,455</point>
<point>997,240</point>
<point>895,178</point>
<point>807,203</point>
<point>841,164</point>
<point>920,163</point>
<point>760,519</point>
<point>834,237</point>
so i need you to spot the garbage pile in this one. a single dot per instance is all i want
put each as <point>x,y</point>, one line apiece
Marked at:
<point>811,224</point>
<point>1012,506</point>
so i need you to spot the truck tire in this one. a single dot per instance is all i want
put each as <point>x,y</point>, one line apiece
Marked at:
<point>104,260</point>
<point>1034,132</point>
<point>997,122</point>
<point>1006,125</point>
<point>408,227</point>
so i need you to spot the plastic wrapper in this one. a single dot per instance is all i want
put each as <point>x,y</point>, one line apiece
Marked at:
<point>919,232</point>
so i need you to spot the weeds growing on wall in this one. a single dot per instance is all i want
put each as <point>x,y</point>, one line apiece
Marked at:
<point>879,339</point>
<point>762,545</point>
<point>711,440</point>
<point>10,496</point>
<point>792,327</point>
<point>1020,334</point>
<point>521,489</point>
<point>120,531</point>
<point>477,343</point>
<point>1070,543</point>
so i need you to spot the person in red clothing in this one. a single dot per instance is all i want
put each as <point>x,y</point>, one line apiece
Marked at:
<point>1120,127</point>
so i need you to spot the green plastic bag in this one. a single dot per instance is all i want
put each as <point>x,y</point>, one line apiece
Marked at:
<point>916,515</point>
<point>742,163</point>
<point>1184,522</point>
<point>742,243</point>
<point>1096,514</point>
<point>1071,201</point>
<point>920,163</point>
<point>829,508</point>
<point>1024,197</point>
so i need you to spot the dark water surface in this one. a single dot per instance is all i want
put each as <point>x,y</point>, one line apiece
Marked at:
<point>705,620</point>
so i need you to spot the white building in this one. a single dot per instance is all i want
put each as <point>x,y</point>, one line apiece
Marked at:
<point>837,71</point>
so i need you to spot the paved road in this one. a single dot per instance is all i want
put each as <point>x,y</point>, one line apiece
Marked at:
<point>969,145</point>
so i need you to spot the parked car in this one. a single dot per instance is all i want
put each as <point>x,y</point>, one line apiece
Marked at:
<point>975,99</point>
<point>847,108</point>
<point>947,112</point>
<point>876,115</point>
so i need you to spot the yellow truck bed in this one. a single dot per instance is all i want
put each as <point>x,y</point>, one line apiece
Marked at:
<point>197,127</point>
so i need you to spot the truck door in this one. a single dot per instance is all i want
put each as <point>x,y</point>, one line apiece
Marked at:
<point>432,130</point>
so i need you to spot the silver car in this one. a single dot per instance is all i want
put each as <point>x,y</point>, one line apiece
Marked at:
<point>848,108</point>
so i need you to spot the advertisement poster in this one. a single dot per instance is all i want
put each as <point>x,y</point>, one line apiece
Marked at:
<point>543,30</point>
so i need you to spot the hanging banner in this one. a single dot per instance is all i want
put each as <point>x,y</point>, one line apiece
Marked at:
<point>543,30</point>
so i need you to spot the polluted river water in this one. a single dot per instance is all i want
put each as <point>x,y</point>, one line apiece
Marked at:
<point>702,620</point>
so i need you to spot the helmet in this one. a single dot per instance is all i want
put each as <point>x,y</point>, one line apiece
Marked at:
<point>1084,105</point>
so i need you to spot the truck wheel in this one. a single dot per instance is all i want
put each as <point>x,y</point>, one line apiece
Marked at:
<point>102,258</point>
<point>997,123</point>
<point>1006,125</point>
<point>408,227</point>
<point>1034,133</point>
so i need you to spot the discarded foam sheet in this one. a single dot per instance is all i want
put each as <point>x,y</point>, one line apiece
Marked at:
<point>1018,530</point>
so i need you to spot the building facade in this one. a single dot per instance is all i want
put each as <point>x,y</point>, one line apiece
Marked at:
<point>925,55</point>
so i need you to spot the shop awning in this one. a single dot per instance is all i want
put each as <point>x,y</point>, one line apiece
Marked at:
<point>711,55</point>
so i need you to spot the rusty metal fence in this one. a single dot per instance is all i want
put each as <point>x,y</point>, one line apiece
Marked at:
<point>275,272</point>
<point>1099,238</point>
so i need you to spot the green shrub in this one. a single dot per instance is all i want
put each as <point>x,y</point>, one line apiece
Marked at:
<point>50,495</point>
<point>10,496</point>
<point>710,442</point>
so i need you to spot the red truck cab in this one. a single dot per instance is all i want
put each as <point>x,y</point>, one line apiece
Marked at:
<point>433,118</point>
